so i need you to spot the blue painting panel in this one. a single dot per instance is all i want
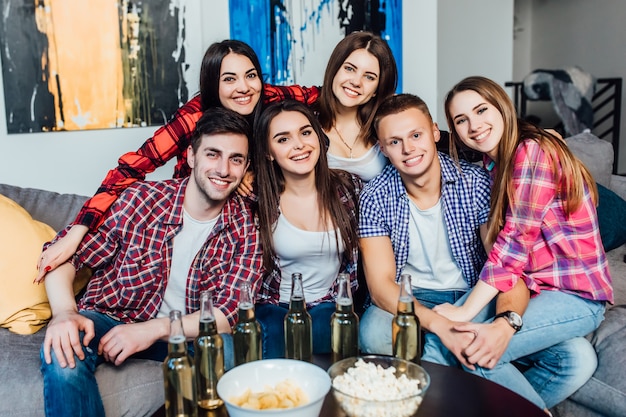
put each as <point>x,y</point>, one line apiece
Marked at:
<point>273,27</point>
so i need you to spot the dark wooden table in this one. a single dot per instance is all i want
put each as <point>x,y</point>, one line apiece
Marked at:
<point>452,392</point>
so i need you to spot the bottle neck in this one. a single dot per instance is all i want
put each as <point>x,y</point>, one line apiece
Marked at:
<point>246,312</point>
<point>207,327</point>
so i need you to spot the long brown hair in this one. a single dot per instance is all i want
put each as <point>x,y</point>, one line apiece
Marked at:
<point>270,184</point>
<point>387,81</point>
<point>570,173</point>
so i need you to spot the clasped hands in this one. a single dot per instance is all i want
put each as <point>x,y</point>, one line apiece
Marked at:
<point>474,344</point>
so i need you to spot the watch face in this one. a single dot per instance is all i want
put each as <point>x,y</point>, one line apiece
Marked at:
<point>516,319</point>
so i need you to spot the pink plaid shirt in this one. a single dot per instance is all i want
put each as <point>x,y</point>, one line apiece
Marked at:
<point>131,254</point>
<point>540,243</point>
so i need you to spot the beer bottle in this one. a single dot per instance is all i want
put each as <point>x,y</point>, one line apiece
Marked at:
<point>179,377</point>
<point>406,326</point>
<point>209,355</point>
<point>297,324</point>
<point>247,330</point>
<point>344,323</point>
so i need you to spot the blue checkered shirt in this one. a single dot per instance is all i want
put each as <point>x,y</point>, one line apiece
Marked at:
<point>384,211</point>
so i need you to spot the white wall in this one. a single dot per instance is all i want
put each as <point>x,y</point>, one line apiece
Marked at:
<point>580,33</point>
<point>443,41</point>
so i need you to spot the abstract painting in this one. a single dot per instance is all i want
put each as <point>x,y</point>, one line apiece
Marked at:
<point>76,65</point>
<point>294,38</point>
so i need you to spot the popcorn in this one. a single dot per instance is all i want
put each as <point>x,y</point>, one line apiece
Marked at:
<point>368,382</point>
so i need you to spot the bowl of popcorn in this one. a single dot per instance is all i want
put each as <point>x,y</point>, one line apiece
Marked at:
<point>274,387</point>
<point>378,386</point>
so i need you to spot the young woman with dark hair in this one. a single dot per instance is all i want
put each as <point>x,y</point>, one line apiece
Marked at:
<point>307,218</point>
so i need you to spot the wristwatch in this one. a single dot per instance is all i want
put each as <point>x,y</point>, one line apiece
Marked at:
<point>514,319</point>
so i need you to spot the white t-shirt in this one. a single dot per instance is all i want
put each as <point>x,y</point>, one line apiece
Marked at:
<point>366,167</point>
<point>187,244</point>
<point>313,254</point>
<point>431,263</point>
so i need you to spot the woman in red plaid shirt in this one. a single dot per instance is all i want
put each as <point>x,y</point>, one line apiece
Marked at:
<point>231,77</point>
<point>543,232</point>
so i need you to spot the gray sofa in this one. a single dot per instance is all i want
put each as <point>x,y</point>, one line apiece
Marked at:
<point>133,389</point>
<point>136,389</point>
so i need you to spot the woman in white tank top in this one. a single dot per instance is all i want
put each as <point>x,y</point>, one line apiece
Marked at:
<point>361,72</point>
<point>307,219</point>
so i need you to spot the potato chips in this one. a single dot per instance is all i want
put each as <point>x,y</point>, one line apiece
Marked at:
<point>286,394</point>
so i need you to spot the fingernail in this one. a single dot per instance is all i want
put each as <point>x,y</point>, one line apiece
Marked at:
<point>48,268</point>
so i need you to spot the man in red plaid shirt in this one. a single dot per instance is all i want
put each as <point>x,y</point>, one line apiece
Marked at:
<point>161,244</point>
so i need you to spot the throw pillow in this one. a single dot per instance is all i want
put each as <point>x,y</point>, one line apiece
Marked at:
<point>612,218</point>
<point>24,307</point>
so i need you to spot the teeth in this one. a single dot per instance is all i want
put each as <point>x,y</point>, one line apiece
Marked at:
<point>481,136</point>
<point>243,100</point>
<point>350,92</point>
<point>412,160</point>
<point>300,157</point>
<point>219,182</point>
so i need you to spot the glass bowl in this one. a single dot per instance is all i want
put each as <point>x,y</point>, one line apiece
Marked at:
<point>396,392</point>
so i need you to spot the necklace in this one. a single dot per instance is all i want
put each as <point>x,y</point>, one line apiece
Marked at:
<point>344,142</point>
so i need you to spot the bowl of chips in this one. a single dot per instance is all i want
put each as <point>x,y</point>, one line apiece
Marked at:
<point>378,386</point>
<point>274,387</point>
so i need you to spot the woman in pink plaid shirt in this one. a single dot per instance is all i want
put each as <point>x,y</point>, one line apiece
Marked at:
<point>543,231</point>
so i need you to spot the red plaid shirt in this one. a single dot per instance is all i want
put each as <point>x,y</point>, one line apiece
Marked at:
<point>131,254</point>
<point>168,142</point>
<point>542,245</point>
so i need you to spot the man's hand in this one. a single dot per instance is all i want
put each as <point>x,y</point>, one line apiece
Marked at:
<point>125,340</point>
<point>490,342</point>
<point>62,335</point>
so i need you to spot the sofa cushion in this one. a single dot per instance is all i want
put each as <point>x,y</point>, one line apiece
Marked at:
<point>24,306</point>
<point>612,218</point>
<point>595,153</point>
<point>133,389</point>
<point>605,392</point>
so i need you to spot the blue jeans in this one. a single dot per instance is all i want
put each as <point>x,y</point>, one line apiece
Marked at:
<point>74,391</point>
<point>557,359</point>
<point>375,325</point>
<point>271,318</point>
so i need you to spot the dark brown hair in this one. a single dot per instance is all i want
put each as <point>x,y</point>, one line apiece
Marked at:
<point>270,183</point>
<point>387,81</point>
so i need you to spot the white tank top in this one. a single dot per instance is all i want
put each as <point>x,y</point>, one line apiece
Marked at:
<point>366,167</point>
<point>187,244</point>
<point>431,263</point>
<point>313,254</point>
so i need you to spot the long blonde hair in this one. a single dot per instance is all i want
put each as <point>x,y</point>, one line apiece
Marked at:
<point>570,174</point>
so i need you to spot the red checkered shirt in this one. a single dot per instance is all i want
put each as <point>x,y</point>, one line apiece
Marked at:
<point>169,141</point>
<point>540,243</point>
<point>131,254</point>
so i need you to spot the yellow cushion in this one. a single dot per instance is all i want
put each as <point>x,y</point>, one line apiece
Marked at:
<point>24,306</point>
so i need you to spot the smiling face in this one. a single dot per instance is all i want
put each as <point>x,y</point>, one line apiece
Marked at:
<point>356,81</point>
<point>218,166</point>
<point>240,84</point>
<point>293,144</point>
<point>478,123</point>
<point>408,139</point>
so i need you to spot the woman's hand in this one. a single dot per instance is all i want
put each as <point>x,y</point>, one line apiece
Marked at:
<point>452,312</point>
<point>246,186</point>
<point>60,251</point>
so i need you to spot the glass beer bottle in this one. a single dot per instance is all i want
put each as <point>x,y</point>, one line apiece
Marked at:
<point>344,323</point>
<point>209,355</point>
<point>297,324</point>
<point>406,326</point>
<point>247,330</point>
<point>179,378</point>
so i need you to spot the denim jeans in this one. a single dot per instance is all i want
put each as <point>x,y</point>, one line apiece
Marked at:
<point>272,316</point>
<point>557,359</point>
<point>375,325</point>
<point>74,391</point>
